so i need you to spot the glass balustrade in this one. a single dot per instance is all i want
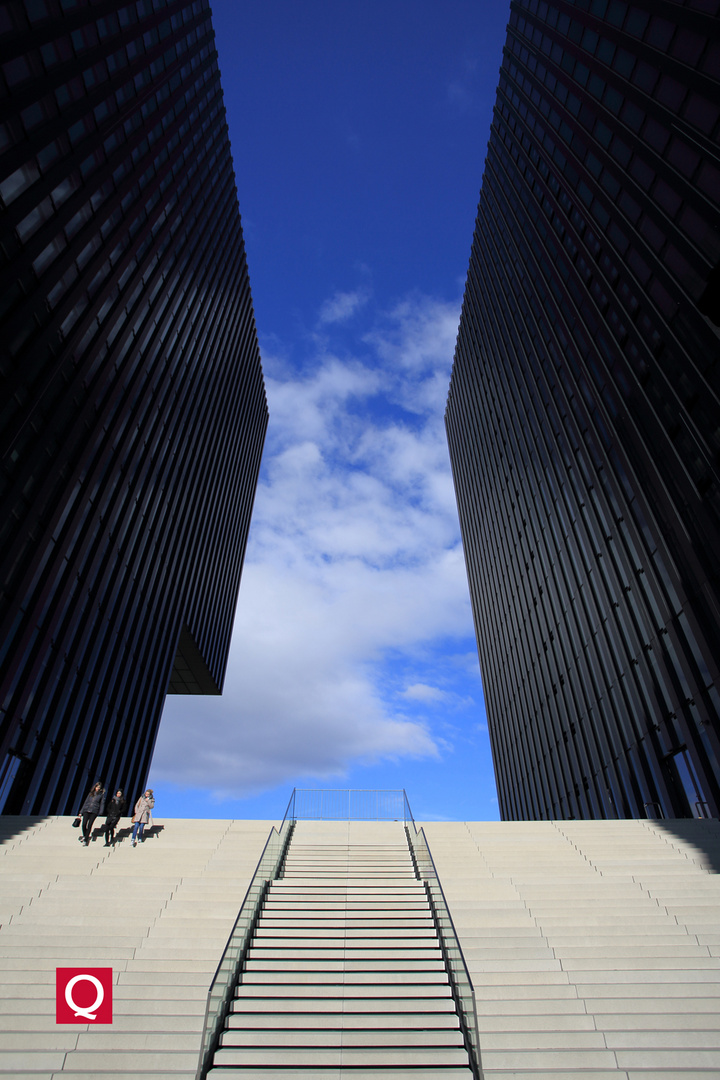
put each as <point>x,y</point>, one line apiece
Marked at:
<point>460,981</point>
<point>229,969</point>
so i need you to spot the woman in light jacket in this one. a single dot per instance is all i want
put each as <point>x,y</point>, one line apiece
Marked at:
<point>142,815</point>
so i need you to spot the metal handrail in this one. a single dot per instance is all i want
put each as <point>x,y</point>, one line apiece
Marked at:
<point>458,974</point>
<point>228,972</point>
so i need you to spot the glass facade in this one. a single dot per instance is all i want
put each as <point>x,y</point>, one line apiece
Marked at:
<point>584,412</point>
<point>132,408</point>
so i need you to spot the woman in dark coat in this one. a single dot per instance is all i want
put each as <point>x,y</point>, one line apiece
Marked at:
<point>115,810</point>
<point>93,805</point>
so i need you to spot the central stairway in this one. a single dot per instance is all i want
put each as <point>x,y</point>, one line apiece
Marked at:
<point>345,975</point>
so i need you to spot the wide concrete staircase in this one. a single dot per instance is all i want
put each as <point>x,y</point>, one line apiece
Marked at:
<point>593,946</point>
<point>594,949</point>
<point>345,975</point>
<point>158,914</point>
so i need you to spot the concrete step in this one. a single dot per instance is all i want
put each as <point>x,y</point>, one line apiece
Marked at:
<point>365,925</point>
<point>306,919</point>
<point>332,1072</point>
<point>345,896</point>
<point>328,1038</point>
<point>354,940</point>
<point>358,880</point>
<point>375,908</point>
<point>291,1057</point>
<point>389,1000</point>
<point>403,951</point>
<point>289,964</point>
<point>323,933</point>
<point>366,1021</point>
<point>380,976</point>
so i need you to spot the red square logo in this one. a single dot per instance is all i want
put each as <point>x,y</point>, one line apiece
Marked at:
<point>83,995</point>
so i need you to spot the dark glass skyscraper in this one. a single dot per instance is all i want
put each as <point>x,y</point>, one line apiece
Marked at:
<point>584,412</point>
<point>132,408</point>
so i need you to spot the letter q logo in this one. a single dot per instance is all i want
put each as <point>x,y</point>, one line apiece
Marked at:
<point>83,995</point>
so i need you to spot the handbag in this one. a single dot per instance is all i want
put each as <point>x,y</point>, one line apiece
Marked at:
<point>76,823</point>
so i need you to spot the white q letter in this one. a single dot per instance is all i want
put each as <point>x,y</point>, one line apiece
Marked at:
<point>89,1012</point>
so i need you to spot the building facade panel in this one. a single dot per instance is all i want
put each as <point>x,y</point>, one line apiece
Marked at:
<point>584,412</point>
<point>133,412</point>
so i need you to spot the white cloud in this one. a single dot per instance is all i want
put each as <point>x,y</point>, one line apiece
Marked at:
<point>422,692</point>
<point>354,571</point>
<point>343,305</point>
<point>418,339</point>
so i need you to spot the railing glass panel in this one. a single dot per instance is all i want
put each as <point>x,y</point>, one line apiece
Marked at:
<point>228,970</point>
<point>457,969</point>
<point>356,804</point>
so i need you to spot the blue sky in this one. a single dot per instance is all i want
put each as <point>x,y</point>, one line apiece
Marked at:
<point>358,135</point>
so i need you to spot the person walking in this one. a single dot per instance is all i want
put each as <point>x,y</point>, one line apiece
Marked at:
<point>115,810</point>
<point>93,805</point>
<point>142,815</point>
